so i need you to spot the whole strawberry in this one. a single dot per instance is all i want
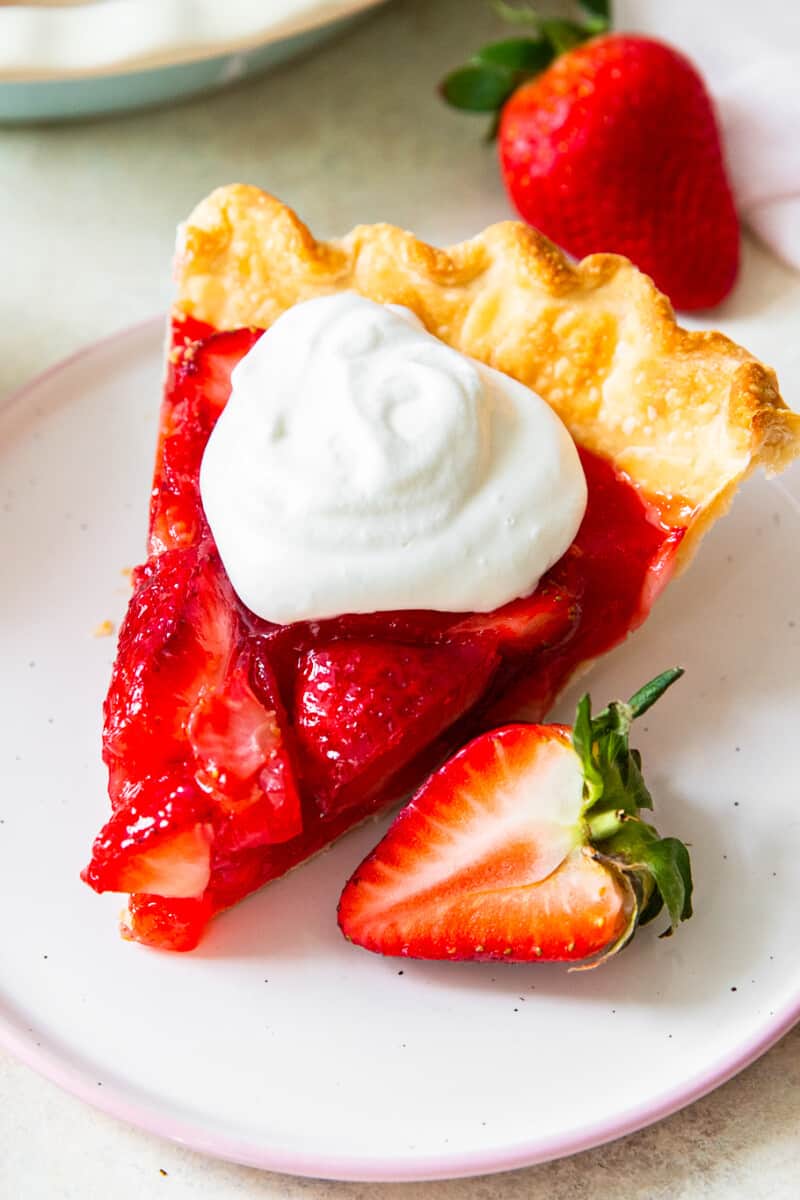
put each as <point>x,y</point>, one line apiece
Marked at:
<point>610,143</point>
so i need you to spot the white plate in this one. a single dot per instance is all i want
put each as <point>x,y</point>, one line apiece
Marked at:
<point>276,1043</point>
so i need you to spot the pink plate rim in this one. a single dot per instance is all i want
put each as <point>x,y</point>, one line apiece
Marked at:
<point>56,1066</point>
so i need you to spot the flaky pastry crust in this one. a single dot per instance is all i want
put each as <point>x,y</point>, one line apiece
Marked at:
<point>685,415</point>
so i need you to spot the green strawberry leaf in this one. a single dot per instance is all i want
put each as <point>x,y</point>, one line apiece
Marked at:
<point>530,55</point>
<point>562,35</point>
<point>634,781</point>
<point>651,909</point>
<point>666,860</point>
<point>583,740</point>
<point>489,78</point>
<point>478,87</point>
<point>671,866</point>
<point>646,696</point>
<point>612,772</point>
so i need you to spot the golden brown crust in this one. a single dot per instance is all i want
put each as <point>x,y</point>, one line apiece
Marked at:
<point>686,415</point>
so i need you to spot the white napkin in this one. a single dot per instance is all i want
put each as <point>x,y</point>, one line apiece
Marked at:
<point>749,55</point>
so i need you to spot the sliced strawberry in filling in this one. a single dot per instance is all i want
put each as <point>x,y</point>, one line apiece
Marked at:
<point>364,708</point>
<point>241,760</point>
<point>252,746</point>
<point>175,645</point>
<point>546,618</point>
<point>158,840</point>
<point>197,389</point>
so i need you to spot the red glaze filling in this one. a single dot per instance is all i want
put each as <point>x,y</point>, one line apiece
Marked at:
<point>237,748</point>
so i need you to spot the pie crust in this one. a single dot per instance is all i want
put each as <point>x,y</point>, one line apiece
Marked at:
<point>685,416</point>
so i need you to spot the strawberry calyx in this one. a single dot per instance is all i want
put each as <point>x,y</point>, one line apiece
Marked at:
<point>487,80</point>
<point>657,869</point>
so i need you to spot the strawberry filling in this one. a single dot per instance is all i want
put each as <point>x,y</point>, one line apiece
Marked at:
<point>236,748</point>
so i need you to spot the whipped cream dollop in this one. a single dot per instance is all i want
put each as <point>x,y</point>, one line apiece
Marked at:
<point>362,465</point>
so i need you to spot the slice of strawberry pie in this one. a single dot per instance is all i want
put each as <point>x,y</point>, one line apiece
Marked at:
<point>437,485</point>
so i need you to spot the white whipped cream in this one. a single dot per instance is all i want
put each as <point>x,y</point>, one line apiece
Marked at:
<point>362,465</point>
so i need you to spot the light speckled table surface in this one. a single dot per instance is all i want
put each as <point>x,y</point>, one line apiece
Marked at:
<point>87,212</point>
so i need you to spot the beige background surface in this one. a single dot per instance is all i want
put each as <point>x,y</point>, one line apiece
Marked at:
<point>87,213</point>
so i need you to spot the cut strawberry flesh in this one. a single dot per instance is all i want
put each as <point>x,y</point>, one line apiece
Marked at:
<point>158,839</point>
<point>488,861</point>
<point>239,748</point>
<point>232,708</point>
<point>573,914</point>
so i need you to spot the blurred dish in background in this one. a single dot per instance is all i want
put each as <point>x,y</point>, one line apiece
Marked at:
<point>86,59</point>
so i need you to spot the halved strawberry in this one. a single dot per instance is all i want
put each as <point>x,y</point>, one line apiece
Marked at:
<point>527,846</point>
<point>365,708</point>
